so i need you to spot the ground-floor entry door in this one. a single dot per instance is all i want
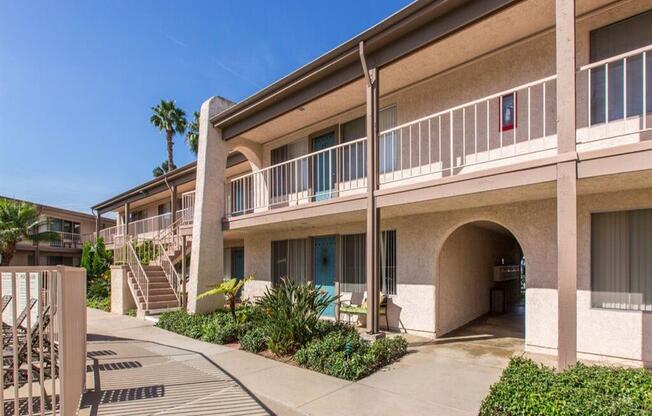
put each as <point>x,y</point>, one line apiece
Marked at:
<point>324,268</point>
<point>237,264</point>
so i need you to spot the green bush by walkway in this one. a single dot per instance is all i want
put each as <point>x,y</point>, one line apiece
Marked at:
<point>526,388</point>
<point>333,348</point>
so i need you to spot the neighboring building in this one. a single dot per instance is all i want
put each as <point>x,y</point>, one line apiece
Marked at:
<point>512,169</point>
<point>70,229</point>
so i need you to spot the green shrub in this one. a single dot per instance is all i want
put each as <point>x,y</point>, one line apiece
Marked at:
<point>96,259</point>
<point>183,323</point>
<point>254,340</point>
<point>103,304</point>
<point>526,388</point>
<point>292,313</point>
<point>343,354</point>
<point>132,312</point>
<point>98,287</point>
<point>220,328</point>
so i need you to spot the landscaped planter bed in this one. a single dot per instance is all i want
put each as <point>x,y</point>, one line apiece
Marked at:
<point>285,325</point>
<point>527,388</point>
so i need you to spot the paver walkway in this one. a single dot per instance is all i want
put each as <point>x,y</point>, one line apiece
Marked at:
<point>138,369</point>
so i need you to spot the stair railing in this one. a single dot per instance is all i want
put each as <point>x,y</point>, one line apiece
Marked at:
<point>167,265</point>
<point>136,268</point>
<point>165,240</point>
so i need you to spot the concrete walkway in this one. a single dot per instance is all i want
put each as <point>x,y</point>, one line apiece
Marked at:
<point>138,369</point>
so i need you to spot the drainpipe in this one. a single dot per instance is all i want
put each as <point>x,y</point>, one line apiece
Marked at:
<point>373,212</point>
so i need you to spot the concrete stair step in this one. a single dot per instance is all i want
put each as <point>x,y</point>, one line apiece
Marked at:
<point>160,305</point>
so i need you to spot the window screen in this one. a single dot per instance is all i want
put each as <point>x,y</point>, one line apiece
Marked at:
<point>621,260</point>
<point>354,263</point>
<point>617,88</point>
<point>290,260</point>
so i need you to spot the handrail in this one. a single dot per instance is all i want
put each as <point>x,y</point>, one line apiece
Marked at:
<point>296,159</point>
<point>470,103</point>
<point>168,269</point>
<point>138,271</point>
<point>616,58</point>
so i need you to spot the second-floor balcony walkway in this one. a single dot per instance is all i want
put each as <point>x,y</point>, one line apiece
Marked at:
<point>614,100</point>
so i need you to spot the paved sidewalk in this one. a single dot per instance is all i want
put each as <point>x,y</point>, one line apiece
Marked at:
<point>138,369</point>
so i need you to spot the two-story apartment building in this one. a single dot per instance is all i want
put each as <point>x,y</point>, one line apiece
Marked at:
<point>69,229</point>
<point>460,157</point>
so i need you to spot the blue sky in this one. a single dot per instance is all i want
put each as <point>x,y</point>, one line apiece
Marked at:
<point>78,79</point>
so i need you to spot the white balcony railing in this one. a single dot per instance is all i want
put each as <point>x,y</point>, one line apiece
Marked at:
<point>187,208</point>
<point>150,225</point>
<point>65,240</point>
<point>618,98</point>
<point>44,339</point>
<point>472,135</point>
<point>321,175</point>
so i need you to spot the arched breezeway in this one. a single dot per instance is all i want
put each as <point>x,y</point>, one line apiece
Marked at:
<point>481,282</point>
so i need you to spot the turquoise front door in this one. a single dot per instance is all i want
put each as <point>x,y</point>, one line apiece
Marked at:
<point>323,167</point>
<point>324,268</point>
<point>237,264</point>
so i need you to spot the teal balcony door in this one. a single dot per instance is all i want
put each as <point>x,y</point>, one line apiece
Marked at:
<point>324,268</point>
<point>324,167</point>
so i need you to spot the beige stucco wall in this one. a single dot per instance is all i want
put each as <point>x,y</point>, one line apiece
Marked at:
<point>419,240</point>
<point>420,307</point>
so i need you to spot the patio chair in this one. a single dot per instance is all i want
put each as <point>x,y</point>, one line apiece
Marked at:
<point>355,306</point>
<point>21,354</point>
<point>360,308</point>
<point>7,330</point>
<point>5,302</point>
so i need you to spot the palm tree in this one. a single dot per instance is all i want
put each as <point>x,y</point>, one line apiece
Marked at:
<point>192,136</point>
<point>169,118</point>
<point>163,169</point>
<point>19,221</point>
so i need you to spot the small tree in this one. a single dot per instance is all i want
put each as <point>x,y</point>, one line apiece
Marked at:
<point>230,289</point>
<point>96,259</point>
<point>192,135</point>
<point>19,221</point>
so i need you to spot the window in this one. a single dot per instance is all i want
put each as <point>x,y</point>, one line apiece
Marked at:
<point>389,144</point>
<point>164,208</point>
<point>59,261</point>
<point>242,192</point>
<point>621,260</point>
<point>353,165</point>
<point>279,178</point>
<point>622,78</point>
<point>354,263</point>
<point>136,216</point>
<point>290,260</point>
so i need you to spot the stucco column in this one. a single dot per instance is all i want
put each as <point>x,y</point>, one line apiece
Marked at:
<point>566,186</point>
<point>206,259</point>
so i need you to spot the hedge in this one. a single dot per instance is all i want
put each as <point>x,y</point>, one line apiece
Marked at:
<point>526,388</point>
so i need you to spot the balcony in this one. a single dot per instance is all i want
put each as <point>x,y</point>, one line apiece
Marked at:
<point>504,128</point>
<point>148,228</point>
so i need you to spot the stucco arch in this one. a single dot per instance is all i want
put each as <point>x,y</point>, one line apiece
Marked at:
<point>251,150</point>
<point>441,274</point>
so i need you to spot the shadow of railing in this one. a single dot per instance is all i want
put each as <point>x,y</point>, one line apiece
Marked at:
<point>233,396</point>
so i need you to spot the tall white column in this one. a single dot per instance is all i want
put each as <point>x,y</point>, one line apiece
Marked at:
<point>206,259</point>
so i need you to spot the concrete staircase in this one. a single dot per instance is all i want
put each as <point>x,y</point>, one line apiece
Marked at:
<point>161,295</point>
